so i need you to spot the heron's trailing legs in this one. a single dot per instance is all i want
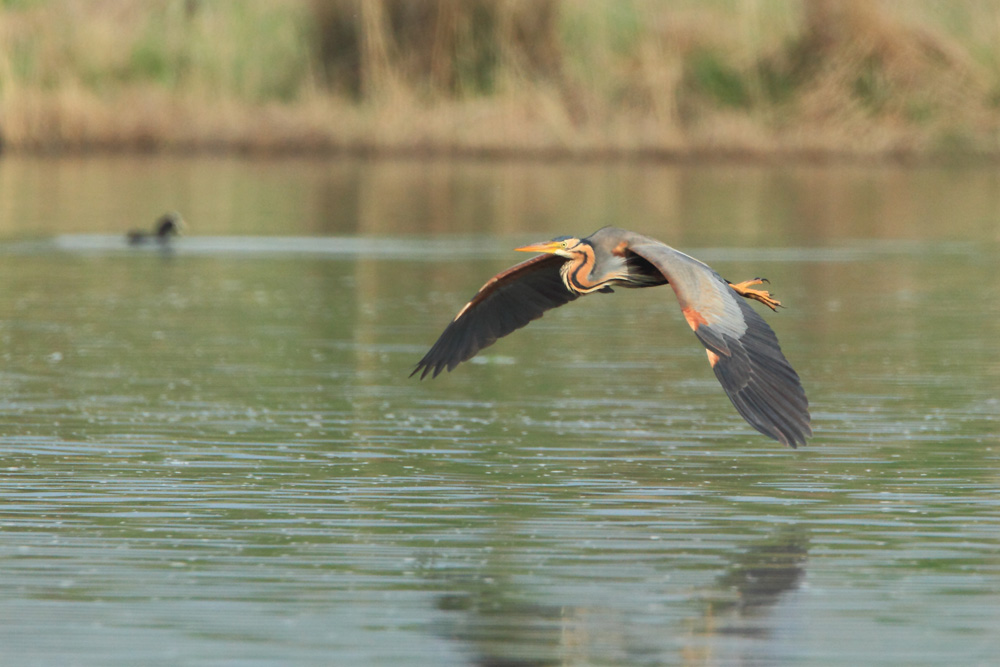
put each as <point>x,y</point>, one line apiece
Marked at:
<point>744,290</point>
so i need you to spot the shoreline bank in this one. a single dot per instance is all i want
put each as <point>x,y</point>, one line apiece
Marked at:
<point>795,80</point>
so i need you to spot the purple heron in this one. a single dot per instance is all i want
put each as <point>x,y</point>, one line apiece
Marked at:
<point>742,349</point>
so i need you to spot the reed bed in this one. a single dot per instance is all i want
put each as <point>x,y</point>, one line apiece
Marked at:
<point>816,79</point>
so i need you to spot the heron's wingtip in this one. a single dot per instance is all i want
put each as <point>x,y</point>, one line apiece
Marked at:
<point>425,368</point>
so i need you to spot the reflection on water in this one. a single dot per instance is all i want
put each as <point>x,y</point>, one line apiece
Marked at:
<point>501,625</point>
<point>214,455</point>
<point>755,581</point>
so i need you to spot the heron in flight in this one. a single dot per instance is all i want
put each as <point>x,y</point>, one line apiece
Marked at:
<point>742,349</point>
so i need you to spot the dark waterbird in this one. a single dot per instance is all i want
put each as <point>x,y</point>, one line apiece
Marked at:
<point>742,349</point>
<point>167,225</point>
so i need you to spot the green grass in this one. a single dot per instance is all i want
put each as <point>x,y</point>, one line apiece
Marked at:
<point>722,83</point>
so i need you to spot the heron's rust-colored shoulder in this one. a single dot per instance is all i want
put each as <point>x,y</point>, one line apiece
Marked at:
<point>693,317</point>
<point>704,297</point>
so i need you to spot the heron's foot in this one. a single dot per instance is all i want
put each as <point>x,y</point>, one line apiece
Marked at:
<point>745,290</point>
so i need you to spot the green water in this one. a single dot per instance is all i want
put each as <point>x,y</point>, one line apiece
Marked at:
<point>214,455</point>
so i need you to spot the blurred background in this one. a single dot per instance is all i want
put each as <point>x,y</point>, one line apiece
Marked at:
<point>744,78</point>
<point>212,454</point>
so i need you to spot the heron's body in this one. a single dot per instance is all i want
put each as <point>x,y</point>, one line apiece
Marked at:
<point>742,349</point>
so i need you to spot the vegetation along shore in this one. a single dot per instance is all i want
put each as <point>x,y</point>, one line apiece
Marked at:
<point>754,79</point>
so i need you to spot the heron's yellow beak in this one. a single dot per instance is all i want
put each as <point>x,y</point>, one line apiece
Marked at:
<point>550,247</point>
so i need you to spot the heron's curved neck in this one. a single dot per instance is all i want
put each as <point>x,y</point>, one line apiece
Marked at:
<point>577,272</point>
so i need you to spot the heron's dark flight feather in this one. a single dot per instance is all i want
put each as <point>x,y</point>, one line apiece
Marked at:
<point>759,381</point>
<point>509,301</point>
<point>751,368</point>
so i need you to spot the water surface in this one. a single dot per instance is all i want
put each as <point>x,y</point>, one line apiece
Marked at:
<point>213,455</point>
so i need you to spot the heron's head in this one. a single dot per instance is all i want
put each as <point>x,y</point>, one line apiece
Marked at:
<point>564,246</point>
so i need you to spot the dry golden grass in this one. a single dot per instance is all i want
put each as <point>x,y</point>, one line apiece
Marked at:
<point>748,78</point>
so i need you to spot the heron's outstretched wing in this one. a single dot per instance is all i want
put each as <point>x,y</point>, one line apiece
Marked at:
<point>508,301</point>
<point>742,348</point>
